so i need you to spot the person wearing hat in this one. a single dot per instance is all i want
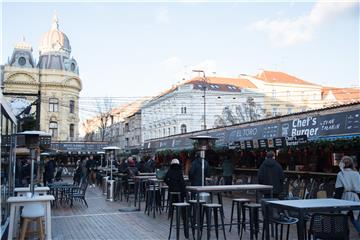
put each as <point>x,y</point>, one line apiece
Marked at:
<point>174,178</point>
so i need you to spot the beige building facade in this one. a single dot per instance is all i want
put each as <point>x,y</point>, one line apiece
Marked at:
<point>55,76</point>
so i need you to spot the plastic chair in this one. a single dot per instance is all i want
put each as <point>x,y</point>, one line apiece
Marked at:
<point>32,212</point>
<point>329,226</point>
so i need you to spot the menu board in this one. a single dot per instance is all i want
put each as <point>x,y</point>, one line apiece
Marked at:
<point>296,140</point>
<point>279,142</point>
<point>263,143</point>
<point>249,144</point>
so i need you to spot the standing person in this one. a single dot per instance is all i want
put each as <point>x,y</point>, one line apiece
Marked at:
<point>77,173</point>
<point>349,179</point>
<point>228,170</point>
<point>150,165</point>
<point>195,171</point>
<point>84,170</point>
<point>271,173</point>
<point>90,165</point>
<point>48,171</point>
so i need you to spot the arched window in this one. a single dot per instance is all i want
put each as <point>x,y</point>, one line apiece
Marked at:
<point>72,106</point>
<point>71,130</point>
<point>183,128</point>
<point>53,104</point>
<point>53,128</point>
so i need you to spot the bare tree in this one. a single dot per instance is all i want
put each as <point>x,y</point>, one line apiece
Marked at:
<point>244,112</point>
<point>105,116</point>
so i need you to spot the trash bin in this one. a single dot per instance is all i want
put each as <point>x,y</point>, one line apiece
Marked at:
<point>104,185</point>
<point>110,190</point>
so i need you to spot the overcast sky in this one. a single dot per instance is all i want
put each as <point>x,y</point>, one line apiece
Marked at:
<point>128,50</point>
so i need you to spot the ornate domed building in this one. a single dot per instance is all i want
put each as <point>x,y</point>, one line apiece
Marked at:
<point>55,77</point>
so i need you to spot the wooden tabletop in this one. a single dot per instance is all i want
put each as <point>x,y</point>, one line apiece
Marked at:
<point>30,199</point>
<point>225,188</point>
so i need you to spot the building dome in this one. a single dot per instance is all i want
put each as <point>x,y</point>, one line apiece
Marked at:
<point>55,40</point>
<point>23,45</point>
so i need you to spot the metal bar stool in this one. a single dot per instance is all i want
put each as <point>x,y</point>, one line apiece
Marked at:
<point>240,210</point>
<point>254,219</point>
<point>207,211</point>
<point>184,207</point>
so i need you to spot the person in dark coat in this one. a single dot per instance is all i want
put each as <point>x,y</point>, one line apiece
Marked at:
<point>195,171</point>
<point>49,171</point>
<point>77,173</point>
<point>175,180</point>
<point>150,165</point>
<point>271,173</point>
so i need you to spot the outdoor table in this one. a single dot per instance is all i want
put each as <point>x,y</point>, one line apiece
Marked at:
<point>223,188</point>
<point>16,202</point>
<point>156,182</point>
<point>21,191</point>
<point>139,180</point>
<point>61,189</point>
<point>302,207</point>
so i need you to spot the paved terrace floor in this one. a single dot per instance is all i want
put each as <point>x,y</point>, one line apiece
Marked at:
<point>103,220</point>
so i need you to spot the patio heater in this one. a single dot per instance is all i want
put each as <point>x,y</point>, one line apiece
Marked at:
<point>110,184</point>
<point>31,140</point>
<point>203,143</point>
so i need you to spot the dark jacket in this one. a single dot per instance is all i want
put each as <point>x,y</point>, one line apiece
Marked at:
<point>271,173</point>
<point>175,180</point>
<point>49,170</point>
<point>150,166</point>
<point>195,172</point>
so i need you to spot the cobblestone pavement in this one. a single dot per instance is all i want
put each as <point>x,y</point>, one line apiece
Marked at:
<point>103,220</point>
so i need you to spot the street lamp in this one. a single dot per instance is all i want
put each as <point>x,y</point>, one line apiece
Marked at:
<point>204,88</point>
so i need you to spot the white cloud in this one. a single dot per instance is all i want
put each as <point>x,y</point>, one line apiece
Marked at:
<point>163,16</point>
<point>300,29</point>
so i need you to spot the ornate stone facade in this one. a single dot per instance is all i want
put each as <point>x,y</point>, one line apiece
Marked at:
<point>56,76</point>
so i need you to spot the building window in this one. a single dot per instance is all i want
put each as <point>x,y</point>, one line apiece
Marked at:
<point>71,130</point>
<point>183,110</point>
<point>53,105</point>
<point>183,128</point>
<point>289,110</point>
<point>274,93</point>
<point>274,112</point>
<point>53,128</point>
<point>72,106</point>
<point>169,133</point>
<point>174,130</point>
<point>288,94</point>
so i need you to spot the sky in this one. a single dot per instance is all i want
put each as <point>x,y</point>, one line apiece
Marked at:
<point>127,50</point>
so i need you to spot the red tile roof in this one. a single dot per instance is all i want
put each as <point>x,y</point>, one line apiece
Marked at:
<point>343,95</point>
<point>280,77</point>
